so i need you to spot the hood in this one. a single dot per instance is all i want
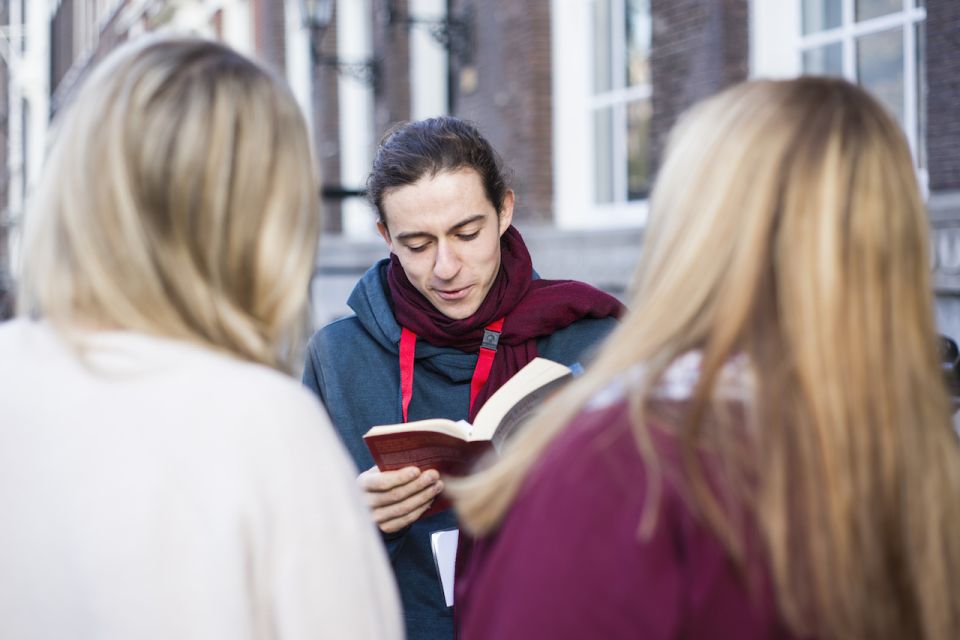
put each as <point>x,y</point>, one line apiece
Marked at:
<point>371,302</point>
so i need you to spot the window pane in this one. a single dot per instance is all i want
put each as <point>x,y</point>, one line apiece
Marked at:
<point>880,68</point>
<point>921,97</point>
<point>638,42</point>
<point>824,61</point>
<point>602,49</point>
<point>638,147</point>
<point>820,15</point>
<point>866,9</point>
<point>603,154</point>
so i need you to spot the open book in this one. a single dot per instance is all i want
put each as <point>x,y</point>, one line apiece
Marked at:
<point>450,446</point>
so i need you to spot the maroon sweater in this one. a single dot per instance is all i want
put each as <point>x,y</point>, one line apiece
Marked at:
<point>568,561</point>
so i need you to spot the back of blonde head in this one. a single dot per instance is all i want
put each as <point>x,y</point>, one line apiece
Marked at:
<point>786,225</point>
<point>178,200</point>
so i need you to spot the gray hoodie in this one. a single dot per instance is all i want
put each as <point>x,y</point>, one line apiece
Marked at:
<point>353,365</point>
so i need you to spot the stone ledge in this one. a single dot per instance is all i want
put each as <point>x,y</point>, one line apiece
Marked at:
<point>944,212</point>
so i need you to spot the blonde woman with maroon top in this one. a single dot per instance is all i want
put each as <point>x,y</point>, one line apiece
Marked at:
<point>763,449</point>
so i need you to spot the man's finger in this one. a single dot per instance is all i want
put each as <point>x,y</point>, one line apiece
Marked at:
<point>414,504</point>
<point>392,526</point>
<point>375,480</point>
<point>403,492</point>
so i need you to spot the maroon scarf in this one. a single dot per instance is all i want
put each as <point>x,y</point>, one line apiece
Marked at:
<point>532,308</point>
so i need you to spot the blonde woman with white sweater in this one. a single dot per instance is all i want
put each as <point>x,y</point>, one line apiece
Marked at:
<point>161,476</point>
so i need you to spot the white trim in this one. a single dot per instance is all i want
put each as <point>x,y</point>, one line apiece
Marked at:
<point>355,103</point>
<point>237,24</point>
<point>616,215</point>
<point>619,117</point>
<point>848,60</point>
<point>428,63</point>
<point>298,64</point>
<point>572,148</point>
<point>574,104</point>
<point>621,96</point>
<point>848,31</point>
<point>776,31</point>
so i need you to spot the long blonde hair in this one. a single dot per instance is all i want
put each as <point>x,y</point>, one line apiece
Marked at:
<point>786,225</point>
<point>179,199</point>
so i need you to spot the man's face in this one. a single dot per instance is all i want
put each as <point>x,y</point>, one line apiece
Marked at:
<point>446,234</point>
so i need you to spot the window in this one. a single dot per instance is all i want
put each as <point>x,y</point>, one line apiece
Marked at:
<point>620,100</point>
<point>878,44</point>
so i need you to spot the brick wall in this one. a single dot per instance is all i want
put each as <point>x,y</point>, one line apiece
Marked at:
<point>326,119</point>
<point>269,30</point>
<point>943,80</point>
<point>391,47</point>
<point>506,89</point>
<point>943,157</point>
<point>698,48</point>
<point>61,44</point>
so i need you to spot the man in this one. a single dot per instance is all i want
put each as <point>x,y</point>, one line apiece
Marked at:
<point>458,270</point>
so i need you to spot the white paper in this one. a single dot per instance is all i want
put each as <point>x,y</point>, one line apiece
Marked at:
<point>444,546</point>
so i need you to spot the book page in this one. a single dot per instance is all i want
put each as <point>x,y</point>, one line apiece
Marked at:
<point>460,429</point>
<point>525,390</point>
<point>523,410</point>
<point>444,547</point>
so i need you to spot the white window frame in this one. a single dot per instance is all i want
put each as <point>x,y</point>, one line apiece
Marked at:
<point>355,103</point>
<point>777,45</point>
<point>574,105</point>
<point>428,63</point>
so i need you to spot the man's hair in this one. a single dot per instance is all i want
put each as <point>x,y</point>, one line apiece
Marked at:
<point>414,150</point>
<point>179,199</point>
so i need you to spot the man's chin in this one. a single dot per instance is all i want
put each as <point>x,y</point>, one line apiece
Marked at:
<point>455,310</point>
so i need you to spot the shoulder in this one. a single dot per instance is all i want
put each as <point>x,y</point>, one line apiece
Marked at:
<point>174,391</point>
<point>346,330</point>
<point>578,341</point>
<point>595,450</point>
<point>341,340</point>
<point>269,420</point>
<point>345,345</point>
<point>252,395</point>
<point>21,335</point>
<point>595,476</point>
<point>572,536</point>
<point>346,326</point>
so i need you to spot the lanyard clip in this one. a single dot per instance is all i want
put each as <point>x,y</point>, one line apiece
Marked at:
<point>490,339</point>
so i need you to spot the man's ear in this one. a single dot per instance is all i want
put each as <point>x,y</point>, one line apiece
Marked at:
<point>385,234</point>
<point>506,211</point>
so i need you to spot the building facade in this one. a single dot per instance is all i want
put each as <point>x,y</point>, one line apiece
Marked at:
<point>577,95</point>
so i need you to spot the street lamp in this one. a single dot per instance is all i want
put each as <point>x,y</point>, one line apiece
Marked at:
<point>453,32</point>
<point>317,15</point>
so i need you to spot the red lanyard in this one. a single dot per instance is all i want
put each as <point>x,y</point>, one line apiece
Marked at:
<point>488,349</point>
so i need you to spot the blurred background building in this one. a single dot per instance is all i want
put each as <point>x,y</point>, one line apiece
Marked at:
<point>578,96</point>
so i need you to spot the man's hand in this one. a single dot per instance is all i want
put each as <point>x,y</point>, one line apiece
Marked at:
<point>398,498</point>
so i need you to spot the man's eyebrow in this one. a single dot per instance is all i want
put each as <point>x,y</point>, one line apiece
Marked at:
<point>463,223</point>
<point>410,235</point>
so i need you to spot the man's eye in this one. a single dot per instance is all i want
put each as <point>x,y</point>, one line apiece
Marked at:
<point>418,248</point>
<point>468,236</point>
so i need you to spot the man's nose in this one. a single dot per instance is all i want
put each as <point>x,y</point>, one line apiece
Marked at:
<point>447,263</point>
